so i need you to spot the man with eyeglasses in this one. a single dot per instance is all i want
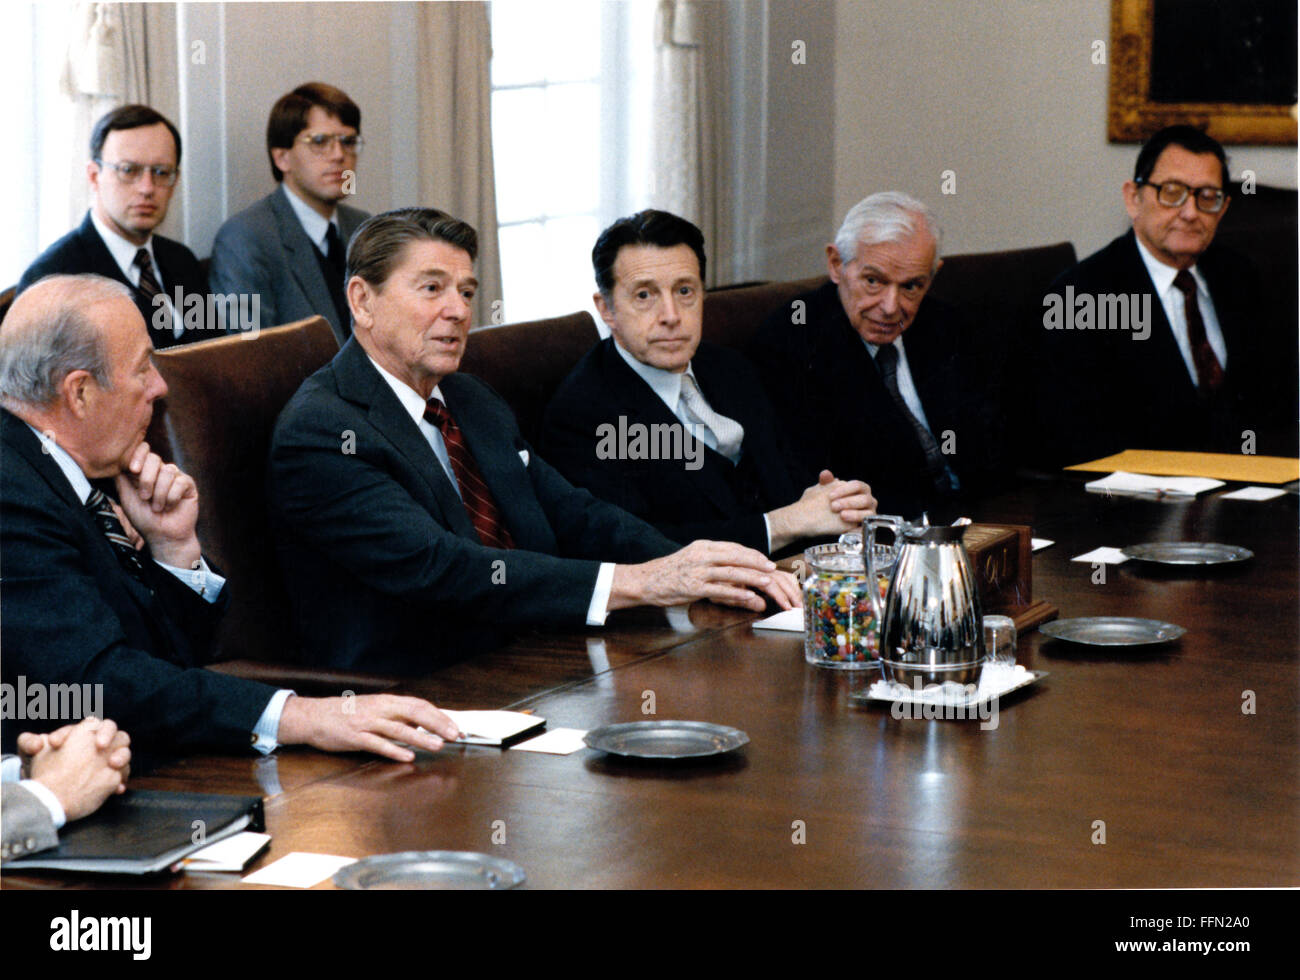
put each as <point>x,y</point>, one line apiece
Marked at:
<point>135,155</point>
<point>290,247</point>
<point>1177,372</point>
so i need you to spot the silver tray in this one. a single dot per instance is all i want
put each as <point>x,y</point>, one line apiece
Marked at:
<point>1187,552</point>
<point>412,870</point>
<point>1112,631</point>
<point>666,739</point>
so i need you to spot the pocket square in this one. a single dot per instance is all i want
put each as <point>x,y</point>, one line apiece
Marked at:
<point>523,455</point>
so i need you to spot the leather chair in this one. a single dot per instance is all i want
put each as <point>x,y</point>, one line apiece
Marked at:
<point>224,396</point>
<point>525,362</point>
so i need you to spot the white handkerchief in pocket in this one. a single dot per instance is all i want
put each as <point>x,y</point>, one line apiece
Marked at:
<point>523,455</point>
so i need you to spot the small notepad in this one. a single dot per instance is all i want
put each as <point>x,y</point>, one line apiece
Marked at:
<point>1253,493</point>
<point>790,620</point>
<point>492,727</point>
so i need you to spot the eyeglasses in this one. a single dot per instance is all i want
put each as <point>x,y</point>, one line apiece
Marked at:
<point>1173,193</point>
<point>321,142</point>
<point>129,173</point>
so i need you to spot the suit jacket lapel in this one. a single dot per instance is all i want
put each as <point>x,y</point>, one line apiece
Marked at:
<point>361,384</point>
<point>1157,359</point>
<point>303,263</point>
<point>643,406</point>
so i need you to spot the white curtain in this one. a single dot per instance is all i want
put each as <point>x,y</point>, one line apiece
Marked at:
<point>685,161</point>
<point>106,67</point>
<point>455,131</point>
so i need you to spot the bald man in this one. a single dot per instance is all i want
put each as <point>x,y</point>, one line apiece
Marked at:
<point>105,585</point>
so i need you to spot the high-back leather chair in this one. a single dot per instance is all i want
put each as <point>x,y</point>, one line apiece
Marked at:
<point>525,362</point>
<point>223,399</point>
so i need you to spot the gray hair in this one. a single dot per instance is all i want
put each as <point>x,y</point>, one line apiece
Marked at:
<point>889,216</point>
<point>47,335</point>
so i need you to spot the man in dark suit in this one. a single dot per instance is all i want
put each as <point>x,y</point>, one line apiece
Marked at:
<point>676,431</point>
<point>290,247</point>
<point>414,522</point>
<point>850,396</point>
<point>1152,342</point>
<point>105,587</point>
<point>135,156</point>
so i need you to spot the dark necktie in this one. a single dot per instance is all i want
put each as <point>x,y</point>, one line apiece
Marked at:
<point>336,262</point>
<point>474,493</point>
<point>887,364</point>
<point>149,288</point>
<point>1209,373</point>
<point>101,509</point>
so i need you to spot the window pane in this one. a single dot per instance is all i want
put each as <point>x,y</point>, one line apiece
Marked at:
<point>534,42</point>
<point>517,142</point>
<point>569,157</point>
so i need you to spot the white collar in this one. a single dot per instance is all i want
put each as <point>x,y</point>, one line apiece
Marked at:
<point>312,223</point>
<point>1162,276</point>
<point>666,384</point>
<point>124,252</point>
<point>80,484</point>
<point>872,349</point>
<point>408,396</point>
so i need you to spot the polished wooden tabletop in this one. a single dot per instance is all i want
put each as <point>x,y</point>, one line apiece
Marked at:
<point>1167,766</point>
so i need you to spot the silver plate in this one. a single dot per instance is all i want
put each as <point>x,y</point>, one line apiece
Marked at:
<point>1112,631</point>
<point>418,870</point>
<point>666,739</point>
<point>1187,552</point>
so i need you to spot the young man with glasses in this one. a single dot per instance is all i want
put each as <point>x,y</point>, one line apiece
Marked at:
<point>135,155</point>
<point>290,246</point>
<point>1183,370</point>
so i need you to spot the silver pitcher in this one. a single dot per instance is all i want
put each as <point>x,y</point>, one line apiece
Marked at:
<point>931,628</point>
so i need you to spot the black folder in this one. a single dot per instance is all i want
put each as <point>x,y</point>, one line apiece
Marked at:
<point>144,831</point>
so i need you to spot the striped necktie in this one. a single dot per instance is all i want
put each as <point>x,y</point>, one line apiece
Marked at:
<point>101,510</point>
<point>149,288</point>
<point>474,493</point>
<point>1209,374</point>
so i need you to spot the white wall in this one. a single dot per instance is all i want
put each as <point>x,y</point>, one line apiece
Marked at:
<point>1004,94</point>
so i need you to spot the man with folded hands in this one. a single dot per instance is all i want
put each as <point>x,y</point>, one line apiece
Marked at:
<point>868,372</point>
<point>675,430</point>
<point>105,586</point>
<point>58,778</point>
<point>414,523</point>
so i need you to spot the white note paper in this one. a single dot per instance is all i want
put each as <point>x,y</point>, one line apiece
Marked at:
<point>557,741</point>
<point>299,869</point>
<point>1253,493</point>
<point>1108,556</point>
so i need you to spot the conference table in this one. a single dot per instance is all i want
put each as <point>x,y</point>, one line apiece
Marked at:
<point>1165,766</point>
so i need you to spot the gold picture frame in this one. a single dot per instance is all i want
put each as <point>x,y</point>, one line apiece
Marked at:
<point>1131,114</point>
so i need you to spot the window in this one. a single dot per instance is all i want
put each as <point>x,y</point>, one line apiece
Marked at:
<point>571,129</point>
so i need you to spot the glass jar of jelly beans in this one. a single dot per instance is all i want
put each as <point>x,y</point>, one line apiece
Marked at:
<point>840,629</point>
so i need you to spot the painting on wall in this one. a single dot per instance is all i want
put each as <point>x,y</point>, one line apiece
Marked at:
<point>1227,68</point>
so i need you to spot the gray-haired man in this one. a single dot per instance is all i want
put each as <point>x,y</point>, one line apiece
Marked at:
<point>854,398</point>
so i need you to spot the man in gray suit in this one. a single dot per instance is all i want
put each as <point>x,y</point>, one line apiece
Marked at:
<point>290,247</point>
<point>62,776</point>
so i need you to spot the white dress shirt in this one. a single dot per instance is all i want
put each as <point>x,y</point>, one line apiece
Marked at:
<point>1175,305</point>
<point>414,403</point>
<point>312,223</point>
<point>202,580</point>
<point>12,773</point>
<point>124,252</point>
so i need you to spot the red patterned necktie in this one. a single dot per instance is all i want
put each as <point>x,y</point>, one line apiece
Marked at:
<point>1209,374</point>
<point>474,493</point>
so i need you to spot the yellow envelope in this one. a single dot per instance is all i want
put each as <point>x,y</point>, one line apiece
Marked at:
<point>1219,466</point>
